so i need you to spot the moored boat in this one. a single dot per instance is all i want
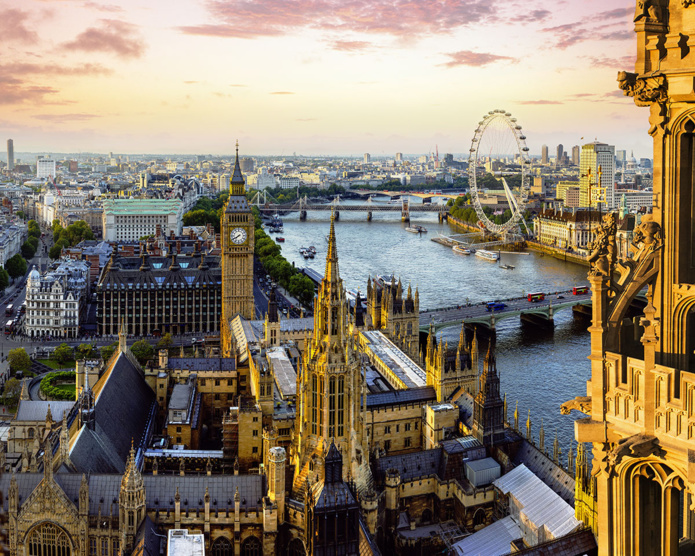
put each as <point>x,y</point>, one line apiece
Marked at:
<point>416,229</point>
<point>462,250</point>
<point>487,255</point>
<point>507,266</point>
<point>280,239</point>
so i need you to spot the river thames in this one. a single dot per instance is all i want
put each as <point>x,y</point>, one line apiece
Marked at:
<point>539,367</point>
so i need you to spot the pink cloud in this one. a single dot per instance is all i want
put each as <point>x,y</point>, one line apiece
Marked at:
<point>13,26</point>
<point>351,46</point>
<point>282,93</point>
<point>111,8</point>
<point>112,36</point>
<point>248,19</point>
<point>539,102</point>
<point>474,59</point>
<point>20,93</point>
<point>616,25</point>
<point>622,62</point>
<point>62,118</point>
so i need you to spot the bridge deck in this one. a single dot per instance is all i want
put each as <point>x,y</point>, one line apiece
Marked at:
<point>452,316</point>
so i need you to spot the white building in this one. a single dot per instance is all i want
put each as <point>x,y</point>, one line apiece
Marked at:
<point>11,239</point>
<point>289,182</point>
<point>56,300</point>
<point>131,219</point>
<point>261,180</point>
<point>45,168</point>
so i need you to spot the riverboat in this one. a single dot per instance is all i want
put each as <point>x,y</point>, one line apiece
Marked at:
<point>487,255</point>
<point>416,229</point>
<point>386,280</point>
<point>507,266</point>
<point>280,239</point>
<point>463,250</point>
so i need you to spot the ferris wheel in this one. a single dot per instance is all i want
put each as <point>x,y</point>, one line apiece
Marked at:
<point>497,139</point>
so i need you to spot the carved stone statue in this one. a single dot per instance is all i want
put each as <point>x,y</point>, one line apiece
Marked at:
<point>636,446</point>
<point>648,232</point>
<point>603,251</point>
<point>649,10</point>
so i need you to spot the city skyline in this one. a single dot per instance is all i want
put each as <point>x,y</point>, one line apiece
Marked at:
<point>310,78</point>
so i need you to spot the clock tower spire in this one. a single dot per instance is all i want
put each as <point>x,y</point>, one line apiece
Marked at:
<point>237,230</point>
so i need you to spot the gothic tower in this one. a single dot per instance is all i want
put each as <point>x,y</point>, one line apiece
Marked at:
<point>330,386</point>
<point>640,400</point>
<point>237,227</point>
<point>131,503</point>
<point>488,410</point>
<point>447,371</point>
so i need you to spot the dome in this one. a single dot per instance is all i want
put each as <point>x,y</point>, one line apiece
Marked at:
<point>34,275</point>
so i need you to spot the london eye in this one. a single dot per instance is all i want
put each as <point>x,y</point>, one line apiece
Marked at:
<point>499,148</point>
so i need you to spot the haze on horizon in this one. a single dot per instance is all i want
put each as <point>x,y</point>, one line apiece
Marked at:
<point>320,77</point>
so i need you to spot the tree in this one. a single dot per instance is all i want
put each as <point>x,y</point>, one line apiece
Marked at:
<point>62,354</point>
<point>28,250</point>
<point>13,389</point>
<point>4,279</point>
<point>18,359</point>
<point>108,351</point>
<point>21,214</point>
<point>85,351</point>
<point>142,350</point>
<point>165,341</point>
<point>16,266</point>
<point>33,228</point>
<point>34,241</point>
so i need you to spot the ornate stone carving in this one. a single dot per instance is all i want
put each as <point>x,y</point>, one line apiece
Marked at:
<point>649,10</point>
<point>645,90</point>
<point>602,256</point>
<point>688,3</point>
<point>648,233</point>
<point>636,446</point>
<point>580,403</point>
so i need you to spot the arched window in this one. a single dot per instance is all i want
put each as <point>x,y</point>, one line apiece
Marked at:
<point>478,518</point>
<point>296,548</point>
<point>48,540</point>
<point>30,433</point>
<point>222,547</point>
<point>426,515</point>
<point>251,547</point>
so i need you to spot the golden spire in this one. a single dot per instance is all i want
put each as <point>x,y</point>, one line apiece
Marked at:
<point>332,254</point>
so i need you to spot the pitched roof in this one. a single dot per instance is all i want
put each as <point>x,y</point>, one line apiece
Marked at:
<point>394,397</point>
<point>124,409</point>
<point>35,410</point>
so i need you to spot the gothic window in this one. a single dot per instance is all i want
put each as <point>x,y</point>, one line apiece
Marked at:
<point>341,408</point>
<point>321,393</point>
<point>410,328</point>
<point>331,406</point>
<point>296,548</point>
<point>30,433</point>
<point>50,540</point>
<point>251,547</point>
<point>222,547</point>
<point>398,329</point>
<point>314,404</point>
<point>92,547</point>
<point>479,518</point>
<point>104,546</point>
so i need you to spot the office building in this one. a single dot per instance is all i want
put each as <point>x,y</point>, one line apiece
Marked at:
<point>597,175</point>
<point>367,158</point>
<point>399,157</point>
<point>45,168</point>
<point>576,152</point>
<point>559,156</point>
<point>131,219</point>
<point>544,154</point>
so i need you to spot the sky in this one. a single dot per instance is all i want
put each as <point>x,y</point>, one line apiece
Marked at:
<point>313,77</point>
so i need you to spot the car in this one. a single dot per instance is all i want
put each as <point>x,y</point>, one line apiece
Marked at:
<point>560,297</point>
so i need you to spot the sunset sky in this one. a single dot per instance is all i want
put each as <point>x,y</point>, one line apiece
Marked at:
<point>315,77</point>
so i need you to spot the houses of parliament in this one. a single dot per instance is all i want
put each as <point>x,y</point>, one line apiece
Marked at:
<point>351,432</point>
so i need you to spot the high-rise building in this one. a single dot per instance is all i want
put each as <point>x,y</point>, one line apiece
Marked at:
<point>544,154</point>
<point>597,175</point>
<point>559,154</point>
<point>367,158</point>
<point>621,157</point>
<point>399,157</point>
<point>45,168</point>
<point>576,155</point>
<point>10,155</point>
<point>248,165</point>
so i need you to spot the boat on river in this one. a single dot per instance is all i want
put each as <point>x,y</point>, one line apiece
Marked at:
<point>487,255</point>
<point>416,229</point>
<point>280,239</point>
<point>386,280</point>
<point>507,266</point>
<point>460,249</point>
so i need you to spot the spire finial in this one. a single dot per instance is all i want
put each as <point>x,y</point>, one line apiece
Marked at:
<point>237,148</point>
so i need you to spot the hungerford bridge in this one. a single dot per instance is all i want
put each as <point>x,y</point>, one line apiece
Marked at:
<point>539,312</point>
<point>304,205</point>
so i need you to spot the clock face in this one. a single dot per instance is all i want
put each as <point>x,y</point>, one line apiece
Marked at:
<point>238,236</point>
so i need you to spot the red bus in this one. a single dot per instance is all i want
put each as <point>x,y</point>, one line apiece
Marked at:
<point>9,310</point>
<point>9,326</point>
<point>533,297</point>
<point>579,290</point>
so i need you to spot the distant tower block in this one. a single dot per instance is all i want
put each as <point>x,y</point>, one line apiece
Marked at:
<point>10,155</point>
<point>367,158</point>
<point>399,157</point>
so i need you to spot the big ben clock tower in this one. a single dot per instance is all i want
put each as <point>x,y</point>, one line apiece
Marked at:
<point>237,228</point>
